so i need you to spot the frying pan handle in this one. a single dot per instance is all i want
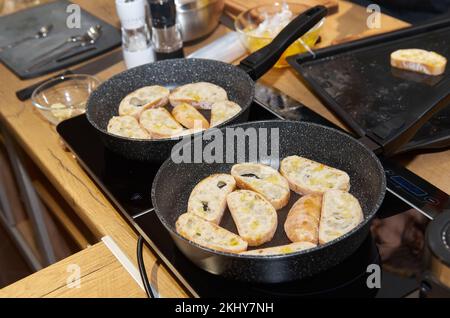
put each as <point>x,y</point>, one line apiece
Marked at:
<point>394,133</point>
<point>258,63</point>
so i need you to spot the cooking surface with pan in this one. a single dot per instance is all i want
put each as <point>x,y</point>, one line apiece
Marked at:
<point>126,184</point>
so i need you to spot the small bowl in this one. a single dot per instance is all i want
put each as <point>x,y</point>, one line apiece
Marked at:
<point>64,97</point>
<point>249,20</point>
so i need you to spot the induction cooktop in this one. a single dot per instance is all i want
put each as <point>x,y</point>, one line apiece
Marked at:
<point>394,248</point>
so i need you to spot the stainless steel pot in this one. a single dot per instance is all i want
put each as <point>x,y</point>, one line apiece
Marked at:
<point>198,18</point>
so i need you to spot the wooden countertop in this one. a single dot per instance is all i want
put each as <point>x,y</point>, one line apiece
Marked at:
<point>42,143</point>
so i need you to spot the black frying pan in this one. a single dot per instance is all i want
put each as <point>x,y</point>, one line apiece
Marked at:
<point>175,181</point>
<point>237,81</point>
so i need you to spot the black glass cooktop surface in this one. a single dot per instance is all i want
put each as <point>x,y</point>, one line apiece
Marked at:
<point>396,243</point>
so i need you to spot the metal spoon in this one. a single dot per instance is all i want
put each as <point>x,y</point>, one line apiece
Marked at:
<point>88,38</point>
<point>42,33</point>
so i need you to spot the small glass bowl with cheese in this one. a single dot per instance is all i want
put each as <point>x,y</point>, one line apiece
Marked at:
<point>258,26</point>
<point>64,97</point>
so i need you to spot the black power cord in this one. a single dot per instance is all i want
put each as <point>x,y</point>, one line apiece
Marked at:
<point>140,258</point>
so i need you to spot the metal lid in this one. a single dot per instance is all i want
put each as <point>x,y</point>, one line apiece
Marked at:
<point>438,237</point>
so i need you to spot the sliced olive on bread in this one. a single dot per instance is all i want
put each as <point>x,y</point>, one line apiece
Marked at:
<point>208,199</point>
<point>309,177</point>
<point>208,234</point>
<point>340,214</point>
<point>264,180</point>
<point>254,216</point>
<point>143,98</point>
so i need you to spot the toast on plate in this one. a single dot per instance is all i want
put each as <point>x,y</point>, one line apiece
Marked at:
<point>264,180</point>
<point>208,199</point>
<point>417,60</point>
<point>222,111</point>
<point>126,126</point>
<point>143,98</point>
<point>208,234</point>
<point>309,177</point>
<point>189,117</point>
<point>254,216</point>
<point>159,123</point>
<point>200,95</point>
<point>279,250</point>
<point>302,222</point>
<point>340,214</point>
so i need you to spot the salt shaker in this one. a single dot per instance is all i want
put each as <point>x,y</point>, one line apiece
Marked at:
<point>136,39</point>
<point>166,35</point>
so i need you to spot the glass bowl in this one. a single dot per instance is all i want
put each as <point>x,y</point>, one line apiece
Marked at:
<point>64,97</point>
<point>246,24</point>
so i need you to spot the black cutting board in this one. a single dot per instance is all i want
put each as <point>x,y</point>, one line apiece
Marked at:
<point>27,22</point>
<point>357,82</point>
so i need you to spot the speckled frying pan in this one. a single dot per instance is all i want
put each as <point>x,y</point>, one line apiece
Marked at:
<point>175,181</point>
<point>238,81</point>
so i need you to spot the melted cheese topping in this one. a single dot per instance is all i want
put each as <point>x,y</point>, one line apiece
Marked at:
<point>201,92</point>
<point>222,111</point>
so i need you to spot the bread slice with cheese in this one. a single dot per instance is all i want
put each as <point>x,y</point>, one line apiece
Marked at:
<point>159,123</point>
<point>126,126</point>
<point>264,180</point>
<point>307,177</point>
<point>222,111</point>
<point>254,216</point>
<point>340,214</point>
<point>143,98</point>
<point>280,250</point>
<point>418,60</point>
<point>189,117</point>
<point>200,95</point>
<point>208,199</point>
<point>208,234</point>
<point>302,222</point>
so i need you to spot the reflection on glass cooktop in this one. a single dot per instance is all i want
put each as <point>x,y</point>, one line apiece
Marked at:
<point>398,238</point>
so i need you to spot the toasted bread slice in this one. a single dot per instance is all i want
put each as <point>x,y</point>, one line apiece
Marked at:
<point>340,214</point>
<point>208,234</point>
<point>200,95</point>
<point>309,177</point>
<point>421,61</point>
<point>208,199</point>
<point>222,111</point>
<point>280,250</point>
<point>262,179</point>
<point>143,98</point>
<point>254,216</point>
<point>302,222</point>
<point>189,117</point>
<point>159,123</point>
<point>126,126</point>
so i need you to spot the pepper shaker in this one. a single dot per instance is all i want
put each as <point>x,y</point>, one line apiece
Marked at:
<point>166,34</point>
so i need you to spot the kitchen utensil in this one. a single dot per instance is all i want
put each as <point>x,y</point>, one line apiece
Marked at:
<point>91,68</point>
<point>90,37</point>
<point>356,81</point>
<point>237,81</point>
<point>198,18</point>
<point>248,22</point>
<point>64,97</point>
<point>41,33</point>
<point>175,181</point>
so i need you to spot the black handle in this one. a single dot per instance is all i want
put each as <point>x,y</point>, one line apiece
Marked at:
<point>258,63</point>
<point>26,93</point>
